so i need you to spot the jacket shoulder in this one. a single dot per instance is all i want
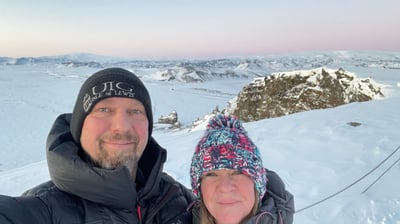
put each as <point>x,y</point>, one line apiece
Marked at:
<point>31,207</point>
<point>182,189</point>
<point>283,200</point>
<point>41,189</point>
<point>53,197</point>
<point>19,210</point>
<point>61,206</point>
<point>177,197</point>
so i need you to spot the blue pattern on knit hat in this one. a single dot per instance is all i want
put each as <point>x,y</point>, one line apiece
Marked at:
<point>225,145</point>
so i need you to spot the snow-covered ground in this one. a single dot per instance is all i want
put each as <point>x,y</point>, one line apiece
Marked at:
<point>317,153</point>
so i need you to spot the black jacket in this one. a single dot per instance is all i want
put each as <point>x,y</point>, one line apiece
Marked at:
<point>81,193</point>
<point>277,206</point>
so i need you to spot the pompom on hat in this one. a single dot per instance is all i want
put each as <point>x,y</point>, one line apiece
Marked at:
<point>225,145</point>
<point>109,82</point>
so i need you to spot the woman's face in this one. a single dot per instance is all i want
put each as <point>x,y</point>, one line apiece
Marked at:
<point>228,195</point>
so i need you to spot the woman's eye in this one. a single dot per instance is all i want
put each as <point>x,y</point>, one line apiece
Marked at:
<point>210,174</point>
<point>237,172</point>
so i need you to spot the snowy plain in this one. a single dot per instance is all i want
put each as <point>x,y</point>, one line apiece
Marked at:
<point>316,153</point>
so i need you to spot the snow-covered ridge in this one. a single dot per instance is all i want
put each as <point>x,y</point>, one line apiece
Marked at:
<point>209,69</point>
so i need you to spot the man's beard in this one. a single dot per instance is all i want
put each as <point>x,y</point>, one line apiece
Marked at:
<point>128,158</point>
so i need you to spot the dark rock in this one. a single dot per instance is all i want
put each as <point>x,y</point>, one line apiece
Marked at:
<point>284,93</point>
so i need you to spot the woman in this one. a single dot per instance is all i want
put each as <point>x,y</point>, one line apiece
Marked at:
<point>230,182</point>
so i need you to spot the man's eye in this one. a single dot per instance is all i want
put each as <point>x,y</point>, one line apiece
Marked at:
<point>138,114</point>
<point>136,111</point>
<point>103,109</point>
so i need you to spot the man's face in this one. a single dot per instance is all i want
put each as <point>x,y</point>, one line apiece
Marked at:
<point>115,132</point>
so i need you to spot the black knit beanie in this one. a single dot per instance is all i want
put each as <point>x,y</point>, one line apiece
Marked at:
<point>110,82</point>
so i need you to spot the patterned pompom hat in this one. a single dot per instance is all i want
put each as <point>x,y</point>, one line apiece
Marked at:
<point>225,145</point>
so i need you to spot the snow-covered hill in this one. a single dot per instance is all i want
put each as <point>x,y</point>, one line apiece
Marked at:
<point>320,154</point>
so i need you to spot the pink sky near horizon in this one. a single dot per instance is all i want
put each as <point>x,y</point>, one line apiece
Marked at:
<point>198,29</point>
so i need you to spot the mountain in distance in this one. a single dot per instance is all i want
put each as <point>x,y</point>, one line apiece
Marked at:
<point>250,68</point>
<point>200,70</point>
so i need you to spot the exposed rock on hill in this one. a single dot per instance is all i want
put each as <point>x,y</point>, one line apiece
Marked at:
<point>289,92</point>
<point>169,121</point>
<point>171,118</point>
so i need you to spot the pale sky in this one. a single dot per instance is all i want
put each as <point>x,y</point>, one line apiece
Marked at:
<point>162,29</point>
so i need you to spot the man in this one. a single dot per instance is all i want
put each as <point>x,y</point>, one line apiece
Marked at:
<point>104,165</point>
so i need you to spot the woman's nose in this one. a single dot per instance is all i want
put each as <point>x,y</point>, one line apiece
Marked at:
<point>226,183</point>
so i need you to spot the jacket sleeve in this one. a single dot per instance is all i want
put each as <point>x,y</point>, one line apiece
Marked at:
<point>21,210</point>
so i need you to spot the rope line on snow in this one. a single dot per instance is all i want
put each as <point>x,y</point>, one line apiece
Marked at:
<point>390,167</point>
<point>352,184</point>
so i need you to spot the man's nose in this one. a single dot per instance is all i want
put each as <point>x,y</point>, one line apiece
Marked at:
<point>120,121</point>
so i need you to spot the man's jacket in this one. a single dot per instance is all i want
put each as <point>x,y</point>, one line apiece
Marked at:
<point>81,193</point>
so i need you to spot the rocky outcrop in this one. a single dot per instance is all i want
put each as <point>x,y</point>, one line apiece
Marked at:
<point>285,93</point>
<point>171,120</point>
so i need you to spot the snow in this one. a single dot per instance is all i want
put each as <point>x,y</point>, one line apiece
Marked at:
<point>317,153</point>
